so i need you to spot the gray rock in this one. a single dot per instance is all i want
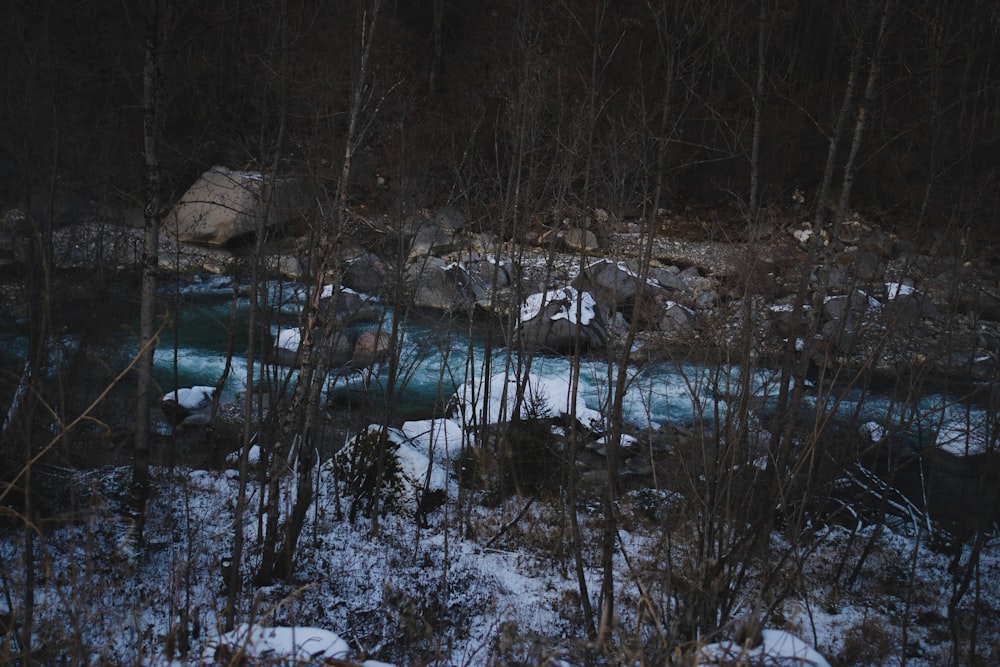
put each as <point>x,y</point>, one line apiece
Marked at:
<point>224,204</point>
<point>667,278</point>
<point>366,274</point>
<point>349,306</point>
<point>706,300</point>
<point>438,285</point>
<point>851,309</point>
<point>370,348</point>
<point>450,218</point>
<point>613,284</point>
<point>909,310</point>
<point>581,239</point>
<point>676,319</point>
<point>549,321</point>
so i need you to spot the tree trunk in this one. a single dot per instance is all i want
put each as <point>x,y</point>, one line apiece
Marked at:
<point>758,112</point>
<point>859,124</point>
<point>152,115</point>
<point>295,438</point>
<point>826,184</point>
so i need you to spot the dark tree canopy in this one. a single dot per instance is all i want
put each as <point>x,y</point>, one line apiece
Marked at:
<point>454,82</point>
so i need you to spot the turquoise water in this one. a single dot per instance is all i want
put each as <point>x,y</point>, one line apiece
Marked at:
<point>438,356</point>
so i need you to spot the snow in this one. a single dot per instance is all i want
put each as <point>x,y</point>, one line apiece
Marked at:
<point>416,468</point>
<point>440,439</point>
<point>290,643</point>
<point>354,588</point>
<point>802,235</point>
<point>544,396</point>
<point>567,298</point>
<point>872,431</point>
<point>964,438</point>
<point>191,398</point>
<point>288,339</point>
<point>778,648</point>
<point>894,290</point>
<point>253,456</point>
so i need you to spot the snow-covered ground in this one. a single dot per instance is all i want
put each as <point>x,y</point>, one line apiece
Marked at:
<point>476,586</point>
<point>495,584</point>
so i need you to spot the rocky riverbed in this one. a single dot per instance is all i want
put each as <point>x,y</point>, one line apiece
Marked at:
<point>868,301</point>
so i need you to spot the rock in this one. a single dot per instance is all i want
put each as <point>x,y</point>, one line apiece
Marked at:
<point>371,348</point>
<point>907,310</point>
<point>365,274</point>
<point>286,350</point>
<point>224,205</point>
<point>449,218</point>
<point>613,284</point>
<point>848,311</point>
<point>431,240</point>
<point>706,300</point>
<point>287,266</point>
<point>348,307</point>
<point>878,243</point>
<point>550,321</point>
<point>431,234</point>
<point>963,494</point>
<point>189,406</point>
<point>578,239</point>
<point>437,285</point>
<point>983,302</point>
<point>488,277</point>
<point>861,264</point>
<point>676,319</point>
<point>668,278</point>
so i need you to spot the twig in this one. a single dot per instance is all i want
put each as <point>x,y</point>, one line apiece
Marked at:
<point>510,524</point>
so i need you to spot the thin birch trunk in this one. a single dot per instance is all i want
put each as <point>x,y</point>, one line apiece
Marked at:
<point>295,437</point>
<point>152,114</point>
<point>758,112</point>
<point>859,124</point>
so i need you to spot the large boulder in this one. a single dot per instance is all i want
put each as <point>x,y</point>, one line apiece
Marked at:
<point>224,205</point>
<point>370,348</point>
<point>439,285</point>
<point>365,273</point>
<point>614,284</point>
<point>347,306</point>
<point>676,319</point>
<point>844,315</point>
<point>347,350</point>
<point>188,406</point>
<point>426,233</point>
<point>554,320</point>
<point>488,277</point>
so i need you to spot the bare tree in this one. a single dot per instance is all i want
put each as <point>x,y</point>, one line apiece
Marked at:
<point>152,107</point>
<point>861,118</point>
<point>297,435</point>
